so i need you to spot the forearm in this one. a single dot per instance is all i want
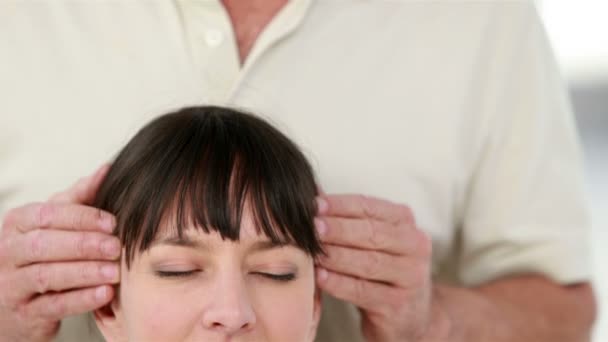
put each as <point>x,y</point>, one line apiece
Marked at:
<point>526,308</point>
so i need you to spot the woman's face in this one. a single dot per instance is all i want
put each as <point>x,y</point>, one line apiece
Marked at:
<point>201,288</point>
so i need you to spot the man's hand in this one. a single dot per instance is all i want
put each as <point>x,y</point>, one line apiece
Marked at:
<point>379,261</point>
<point>56,259</point>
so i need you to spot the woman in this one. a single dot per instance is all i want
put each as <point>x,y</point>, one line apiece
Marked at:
<point>215,214</point>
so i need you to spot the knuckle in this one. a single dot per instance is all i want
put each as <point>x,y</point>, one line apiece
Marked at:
<point>338,227</point>
<point>335,225</point>
<point>99,214</point>
<point>36,246</point>
<point>332,256</point>
<point>372,265</point>
<point>81,246</point>
<point>359,290</point>
<point>342,259</point>
<point>375,236</point>
<point>57,305</point>
<point>80,220</point>
<point>45,212</point>
<point>88,272</point>
<point>42,277</point>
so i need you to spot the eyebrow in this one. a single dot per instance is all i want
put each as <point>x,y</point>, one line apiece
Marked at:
<point>186,241</point>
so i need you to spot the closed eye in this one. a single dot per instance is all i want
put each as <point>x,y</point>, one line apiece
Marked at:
<point>285,277</point>
<point>175,274</point>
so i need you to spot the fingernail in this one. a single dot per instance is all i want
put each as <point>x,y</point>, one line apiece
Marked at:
<point>321,205</point>
<point>320,226</point>
<point>110,272</point>
<point>321,274</point>
<point>107,223</point>
<point>101,293</point>
<point>111,248</point>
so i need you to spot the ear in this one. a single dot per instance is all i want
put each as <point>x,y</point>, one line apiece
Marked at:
<point>109,320</point>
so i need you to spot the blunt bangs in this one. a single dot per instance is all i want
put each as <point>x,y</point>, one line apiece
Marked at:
<point>199,166</point>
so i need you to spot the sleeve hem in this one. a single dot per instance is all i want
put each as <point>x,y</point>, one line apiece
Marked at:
<point>564,262</point>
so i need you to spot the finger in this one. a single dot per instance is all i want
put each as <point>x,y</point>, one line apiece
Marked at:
<point>367,295</point>
<point>57,245</point>
<point>359,206</point>
<point>85,189</point>
<point>365,234</point>
<point>370,265</point>
<point>59,216</point>
<point>60,276</point>
<point>59,305</point>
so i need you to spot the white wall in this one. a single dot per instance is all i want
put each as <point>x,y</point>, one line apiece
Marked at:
<point>579,33</point>
<point>591,105</point>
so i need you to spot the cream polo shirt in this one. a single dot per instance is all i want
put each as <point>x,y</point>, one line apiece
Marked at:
<point>454,108</point>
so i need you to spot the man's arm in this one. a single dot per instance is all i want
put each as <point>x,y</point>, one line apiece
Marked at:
<point>524,308</point>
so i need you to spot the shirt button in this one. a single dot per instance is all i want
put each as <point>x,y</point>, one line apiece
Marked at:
<point>214,37</point>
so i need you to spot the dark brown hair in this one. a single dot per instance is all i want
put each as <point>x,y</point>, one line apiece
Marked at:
<point>199,165</point>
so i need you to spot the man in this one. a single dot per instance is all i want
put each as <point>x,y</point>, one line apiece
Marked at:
<point>449,118</point>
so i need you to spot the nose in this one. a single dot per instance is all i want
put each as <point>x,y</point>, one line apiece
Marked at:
<point>230,312</point>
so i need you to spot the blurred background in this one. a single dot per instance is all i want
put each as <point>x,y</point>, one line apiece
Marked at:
<point>578,31</point>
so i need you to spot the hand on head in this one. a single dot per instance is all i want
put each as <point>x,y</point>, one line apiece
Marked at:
<point>57,259</point>
<point>379,261</point>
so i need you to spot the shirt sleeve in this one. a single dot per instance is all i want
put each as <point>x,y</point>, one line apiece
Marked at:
<point>525,207</point>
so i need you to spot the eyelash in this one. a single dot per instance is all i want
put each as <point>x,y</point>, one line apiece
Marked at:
<point>278,277</point>
<point>182,274</point>
<point>171,274</point>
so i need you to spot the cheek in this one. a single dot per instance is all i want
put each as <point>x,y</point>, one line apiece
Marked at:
<point>285,313</point>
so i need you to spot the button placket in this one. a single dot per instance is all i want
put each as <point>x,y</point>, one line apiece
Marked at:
<point>214,51</point>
